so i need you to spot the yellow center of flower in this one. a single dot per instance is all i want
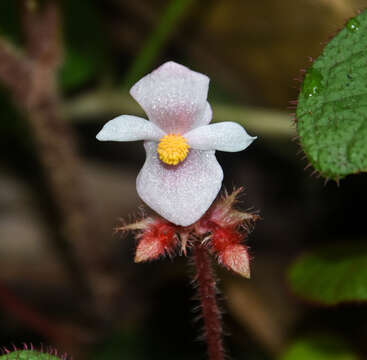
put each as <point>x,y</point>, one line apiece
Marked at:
<point>172,149</point>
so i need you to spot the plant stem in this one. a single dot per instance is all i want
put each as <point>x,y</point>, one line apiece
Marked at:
<point>169,20</point>
<point>31,77</point>
<point>207,295</point>
<point>269,124</point>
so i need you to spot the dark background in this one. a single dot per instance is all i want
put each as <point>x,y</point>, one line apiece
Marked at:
<point>252,51</point>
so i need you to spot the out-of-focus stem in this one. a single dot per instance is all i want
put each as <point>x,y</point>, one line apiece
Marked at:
<point>160,35</point>
<point>268,124</point>
<point>56,152</point>
<point>207,292</point>
<point>31,77</point>
<point>14,69</point>
<point>24,313</point>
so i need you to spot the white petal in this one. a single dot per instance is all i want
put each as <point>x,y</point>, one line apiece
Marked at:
<point>181,194</point>
<point>224,136</point>
<point>129,128</point>
<point>207,117</point>
<point>173,96</point>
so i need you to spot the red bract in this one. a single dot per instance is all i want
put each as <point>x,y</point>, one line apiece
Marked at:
<point>226,243</point>
<point>223,237</point>
<point>236,258</point>
<point>223,228</point>
<point>221,231</point>
<point>159,238</point>
<point>223,213</point>
<point>156,237</point>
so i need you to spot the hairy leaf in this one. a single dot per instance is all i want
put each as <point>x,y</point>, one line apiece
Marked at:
<point>331,275</point>
<point>332,105</point>
<point>29,355</point>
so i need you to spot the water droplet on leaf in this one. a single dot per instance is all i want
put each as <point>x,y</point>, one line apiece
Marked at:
<point>353,25</point>
<point>312,83</point>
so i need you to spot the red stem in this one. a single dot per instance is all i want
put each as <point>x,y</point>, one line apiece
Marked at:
<point>207,295</point>
<point>26,314</point>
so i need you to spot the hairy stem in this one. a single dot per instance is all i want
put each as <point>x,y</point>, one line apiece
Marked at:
<point>207,290</point>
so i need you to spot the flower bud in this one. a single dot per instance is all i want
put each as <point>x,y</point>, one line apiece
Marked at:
<point>236,258</point>
<point>226,243</point>
<point>224,214</point>
<point>156,240</point>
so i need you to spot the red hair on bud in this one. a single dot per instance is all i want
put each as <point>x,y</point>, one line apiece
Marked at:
<point>159,238</point>
<point>226,243</point>
<point>235,257</point>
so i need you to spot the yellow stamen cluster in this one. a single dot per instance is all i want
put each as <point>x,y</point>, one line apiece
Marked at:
<point>172,149</point>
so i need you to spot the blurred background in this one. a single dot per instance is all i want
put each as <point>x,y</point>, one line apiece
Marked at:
<point>65,278</point>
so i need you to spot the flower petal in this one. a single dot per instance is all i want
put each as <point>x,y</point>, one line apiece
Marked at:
<point>207,117</point>
<point>173,97</point>
<point>129,128</point>
<point>181,194</point>
<point>224,136</point>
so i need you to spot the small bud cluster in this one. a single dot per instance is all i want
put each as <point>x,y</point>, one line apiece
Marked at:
<point>222,229</point>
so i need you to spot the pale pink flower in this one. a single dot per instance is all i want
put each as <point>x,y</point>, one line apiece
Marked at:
<point>181,176</point>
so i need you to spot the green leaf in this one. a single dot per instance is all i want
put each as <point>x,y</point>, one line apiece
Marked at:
<point>84,43</point>
<point>331,275</point>
<point>9,21</point>
<point>332,105</point>
<point>78,68</point>
<point>120,345</point>
<point>28,355</point>
<point>319,348</point>
<point>164,30</point>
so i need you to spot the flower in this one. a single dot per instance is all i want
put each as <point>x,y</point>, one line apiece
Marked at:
<point>222,231</point>
<point>181,176</point>
<point>158,239</point>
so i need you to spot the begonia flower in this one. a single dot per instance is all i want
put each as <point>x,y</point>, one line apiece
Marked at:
<point>181,176</point>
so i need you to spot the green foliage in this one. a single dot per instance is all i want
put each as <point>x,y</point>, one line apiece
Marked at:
<point>121,345</point>
<point>84,44</point>
<point>331,275</point>
<point>77,69</point>
<point>319,348</point>
<point>161,34</point>
<point>28,355</point>
<point>142,344</point>
<point>9,22</point>
<point>332,105</point>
